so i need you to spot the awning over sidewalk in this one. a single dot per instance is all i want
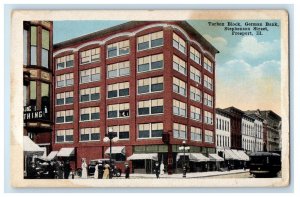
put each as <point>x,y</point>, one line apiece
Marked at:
<point>244,155</point>
<point>66,152</point>
<point>229,155</point>
<point>116,150</point>
<point>143,156</point>
<point>238,155</point>
<point>195,157</point>
<point>30,148</point>
<point>51,156</point>
<point>215,157</point>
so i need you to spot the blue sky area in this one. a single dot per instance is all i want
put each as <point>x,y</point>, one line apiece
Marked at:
<point>247,68</point>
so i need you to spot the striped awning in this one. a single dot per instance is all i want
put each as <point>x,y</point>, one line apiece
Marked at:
<point>66,152</point>
<point>51,156</point>
<point>244,155</point>
<point>194,157</point>
<point>215,157</point>
<point>143,156</point>
<point>31,148</point>
<point>116,150</point>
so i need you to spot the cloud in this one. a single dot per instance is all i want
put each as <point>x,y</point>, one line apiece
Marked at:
<point>250,47</point>
<point>219,42</point>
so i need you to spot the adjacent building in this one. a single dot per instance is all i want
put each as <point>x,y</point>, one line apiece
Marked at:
<point>141,80</point>
<point>223,130</point>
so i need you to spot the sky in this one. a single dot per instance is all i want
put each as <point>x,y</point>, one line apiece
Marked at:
<point>247,67</point>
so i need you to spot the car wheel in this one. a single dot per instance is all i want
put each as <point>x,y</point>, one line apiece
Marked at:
<point>118,174</point>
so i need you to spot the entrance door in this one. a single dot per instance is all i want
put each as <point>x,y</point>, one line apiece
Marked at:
<point>148,166</point>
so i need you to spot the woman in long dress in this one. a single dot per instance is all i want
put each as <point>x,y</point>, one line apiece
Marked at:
<point>106,172</point>
<point>84,169</point>
<point>96,172</point>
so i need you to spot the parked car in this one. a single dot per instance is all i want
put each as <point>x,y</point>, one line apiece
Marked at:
<point>91,167</point>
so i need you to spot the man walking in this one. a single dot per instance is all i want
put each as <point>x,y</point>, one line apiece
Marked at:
<point>127,171</point>
<point>157,169</point>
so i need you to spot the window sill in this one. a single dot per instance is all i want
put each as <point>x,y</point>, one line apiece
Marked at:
<point>87,141</point>
<point>64,142</point>
<point>89,101</point>
<point>117,56</point>
<point>150,48</point>
<point>118,118</point>
<point>150,92</point>
<point>64,104</point>
<point>89,120</point>
<point>81,64</point>
<point>159,114</point>
<point>64,122</point>
<point>118,76</point>
<point>118,97</point>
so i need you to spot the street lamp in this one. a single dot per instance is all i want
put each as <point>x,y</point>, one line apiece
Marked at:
<point>184,147</point>
<point>110,136</point>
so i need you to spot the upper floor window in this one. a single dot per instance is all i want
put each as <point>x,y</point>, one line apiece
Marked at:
<point>208,100</point>
<point>148,85</point>
<point>208,118</point>
<point>179,86</point>
<point>195,74</point>
<point>64,135</point>
<point>195,55</point>
<point>65,62</point>
<point>64,98</point>
<point>118,90</point>
<point>195,94</point>
<point>65,80</point>
<point>179,131</point>
<point>64,116</point>
<point>195,113</point>
<point>196,134</point>
<point>118,49</point>
<point>150,107</point>
<point>121,131</point>
<point>179,108</point>
<point>209,136</point>
<point>33,45</point>
<point>91,55</point>
<point>150,40</point>
<point>118,69</point>
<point>179,65</point>
<point>45,48</point>
<point>118,110</point>
<point>149,63</point>
<point>25,45</point>
<point>179,43</point>
<point>90,75</point>
<point>90,94</point>
<point>90,134</point>
<point>150,130</point>
<point>208,65</point>
<point>208,82</point>
<point>89,113</point>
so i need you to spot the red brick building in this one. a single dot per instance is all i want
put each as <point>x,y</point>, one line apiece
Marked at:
<point>140,80</point>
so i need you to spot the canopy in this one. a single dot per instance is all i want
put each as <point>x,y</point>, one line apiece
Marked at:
<point>116,150</point>
<point>215,157</point>
<point>238,154</point>
<point>229,155</point>
<point>143,156</point>
<point>195,157</point>
<point>244,155</point>
<point>30,148</point>
<point>52,155</point>
<point>65,152</point>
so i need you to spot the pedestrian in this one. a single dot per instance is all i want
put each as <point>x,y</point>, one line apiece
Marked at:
<point>106,172</point>
<point>127,171</point>
<point>162,168</point>
<point>100,170</point>
<point>60,169</point>
<point>67,170</point>
<point>84,169</point>
<point>31,171</point>
<point>157,169</point>
<point>96,173</point>
<point>51,170</point>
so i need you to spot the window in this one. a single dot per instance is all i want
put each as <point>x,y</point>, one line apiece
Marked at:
<point>64,135</point>
<point>90,113</point>
<point>65,62</point>
<point>179,43</point>
<point>118,69</point>
<point>179,86</point>
<point>179,65</point>
<point>122,131</point>
<point>33,45</point>
<point>196,134</point>
<point>209,136</point>
<point>208,117</point>
<point>118,49</point>
<point>179,108</point>
<point>195,74</point>
<point>118,110</point>
<point>149,85</point>
<point>90,75</point>
<point>64,80</point>
<point>149,63</point>
<point>195,94</point>
<point>64,116</point>
<point>150,107</point>
<point>90,134</point>
<point>150,40</point>
<point>32,97</point>
<point>195,55</point>
<point>196,113</point>
<point>25,45</point>
<point>150,130</point>
<point>64,98</point>
<point>91,55</point>
<point>45,48</point>
<point>118,90</point>
<point>208,100</point>
<point>179,131</point>
<point>208,65</point>
<point>90,94</point>
<point>208,82</point>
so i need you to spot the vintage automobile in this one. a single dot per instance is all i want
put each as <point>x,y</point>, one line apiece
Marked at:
<point>264,164</point>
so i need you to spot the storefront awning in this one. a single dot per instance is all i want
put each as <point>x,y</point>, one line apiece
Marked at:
<point>195,157</point>
<point>229,155</point>
<point>30,148</point>
<point>116,150</point>
<point>241,158</point>
<point>215,157</point>
<point>51,156</point>
<point>244,155</point>
<point>65,152</point>
<point>143,156</point>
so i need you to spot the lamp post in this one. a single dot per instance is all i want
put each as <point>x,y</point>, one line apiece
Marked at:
<point>110,136</point>
<point>184,147</point>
